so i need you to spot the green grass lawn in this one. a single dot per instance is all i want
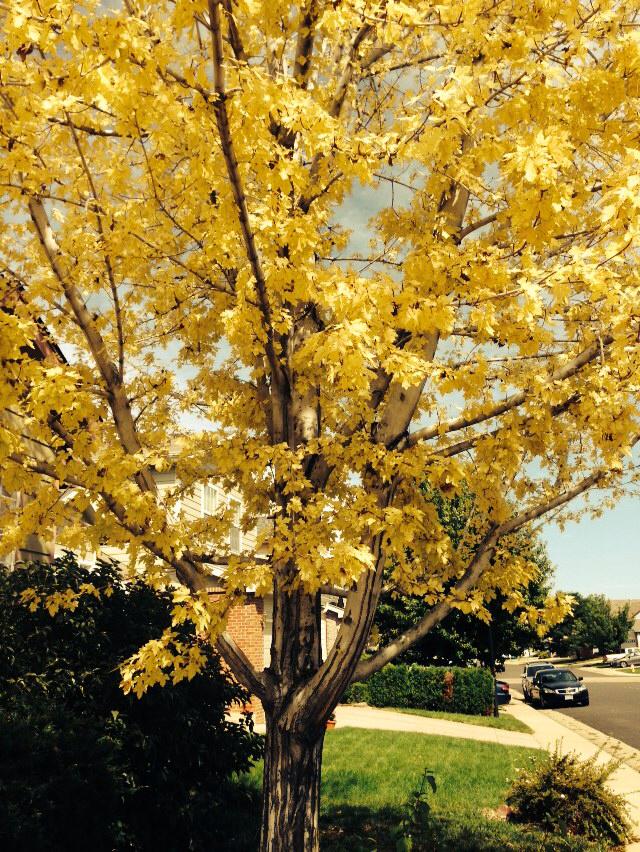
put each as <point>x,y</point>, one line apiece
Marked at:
<point>504,722</point>
<point>368,777</point>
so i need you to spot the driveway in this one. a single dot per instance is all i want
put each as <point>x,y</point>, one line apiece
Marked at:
<point>615,702</point>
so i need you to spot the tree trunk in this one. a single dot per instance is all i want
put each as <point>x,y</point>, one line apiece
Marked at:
<point>291,789</point>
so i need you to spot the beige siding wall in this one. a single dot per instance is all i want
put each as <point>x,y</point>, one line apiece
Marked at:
<point>191,504</point>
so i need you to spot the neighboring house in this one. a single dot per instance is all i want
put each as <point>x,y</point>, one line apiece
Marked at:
<point>250,623</point>
<point>633,637</point>
<point>42,348</point>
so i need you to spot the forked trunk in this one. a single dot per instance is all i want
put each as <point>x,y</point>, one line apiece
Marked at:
<point>291,790</point>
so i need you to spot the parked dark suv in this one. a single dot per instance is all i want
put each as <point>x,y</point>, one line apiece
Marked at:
<point>559,686</point>
<point>527,676</point>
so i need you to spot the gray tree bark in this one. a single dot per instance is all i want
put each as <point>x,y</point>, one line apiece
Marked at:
<point>291,784</point>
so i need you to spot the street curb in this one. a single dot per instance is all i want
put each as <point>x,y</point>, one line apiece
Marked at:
<point>617,749</point>
<point>624,780</point>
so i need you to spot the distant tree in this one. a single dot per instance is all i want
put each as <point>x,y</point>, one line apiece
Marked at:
<point>591,624</point>
<point>515,622</point>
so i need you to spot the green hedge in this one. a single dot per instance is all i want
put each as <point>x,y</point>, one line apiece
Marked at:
<point>456,690</point>
<point>357,693</point>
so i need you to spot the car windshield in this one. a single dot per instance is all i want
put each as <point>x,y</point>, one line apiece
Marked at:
<point>547,678</point>
<point>531,670</point>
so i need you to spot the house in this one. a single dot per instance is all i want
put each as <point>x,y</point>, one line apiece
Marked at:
<point>42,348</point>
<point>249,623</point>
<point>633,637</point>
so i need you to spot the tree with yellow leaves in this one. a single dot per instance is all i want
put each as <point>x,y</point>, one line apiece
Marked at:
<point>175,184</point>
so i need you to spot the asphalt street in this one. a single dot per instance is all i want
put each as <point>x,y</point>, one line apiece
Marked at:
<point>614,705</point>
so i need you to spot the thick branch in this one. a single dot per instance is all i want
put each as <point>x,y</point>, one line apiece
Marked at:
<point>469,443</point>
<point>325,688</point>
<point>241,666</point>
<point>107,260</point>
<point>473,573</point>
<point>235,39</point>
<point>400,403</point>
<point>233,172</point>
<point>475,226</point>
<point>304,45</point>
<point>565,372</point>
<point>335,107</point>
<point>480,562</point>
<point>118,402</point>
<point>185,571</point>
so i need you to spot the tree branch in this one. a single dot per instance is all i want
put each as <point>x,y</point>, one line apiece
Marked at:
<point>400,403</point>
<point>473,573</point>
<point>480,562</point>
<point>335,107</point>
<point>475,226</point>
<point>118,402</point>
<point>304,45</point>
<point>241,666</point>
<point>107,260</point>
<point>567,371</point>
<point>469,443</point>
<point>185,571</point>
<point>233,172</point>
<point>87,128</point>
<point>235,39</point>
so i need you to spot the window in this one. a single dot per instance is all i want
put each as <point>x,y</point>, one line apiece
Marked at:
<point>210,500</point>
<point>235,533</point>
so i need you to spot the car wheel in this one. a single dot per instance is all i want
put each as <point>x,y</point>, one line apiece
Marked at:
<point>585,702</point>
<point>624,664</point>
<point>542,703</point>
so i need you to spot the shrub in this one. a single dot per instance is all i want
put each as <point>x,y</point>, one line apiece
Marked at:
<point>356,694</point>
<point>568,796</point>
<point>457,690</point>
<point>85,766</point>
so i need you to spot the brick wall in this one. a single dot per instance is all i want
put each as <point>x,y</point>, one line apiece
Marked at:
<point>246,627</point>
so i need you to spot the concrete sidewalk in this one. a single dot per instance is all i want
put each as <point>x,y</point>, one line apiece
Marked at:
<point>362,716</point>
<point>547,731</point>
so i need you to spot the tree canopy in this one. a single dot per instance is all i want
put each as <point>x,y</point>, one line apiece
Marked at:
<point>176,180</point>
<point>591,624</point>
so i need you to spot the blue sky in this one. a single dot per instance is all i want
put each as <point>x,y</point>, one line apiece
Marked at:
<point>600,555</point>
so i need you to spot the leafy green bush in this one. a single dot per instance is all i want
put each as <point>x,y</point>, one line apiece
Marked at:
<point>357,693</point>
<point>456,690</point>
<point>85,766</point>
<point>568,796</point>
